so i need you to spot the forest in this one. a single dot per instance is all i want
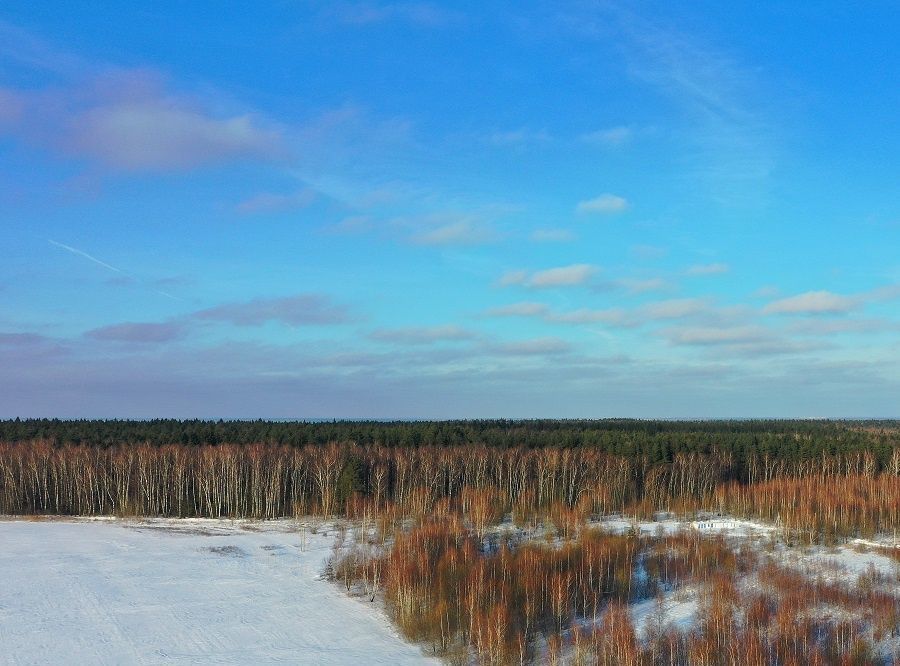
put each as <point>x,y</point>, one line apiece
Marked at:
<point>487,540</point>
<point>826,478</point>
<point>655,441</point>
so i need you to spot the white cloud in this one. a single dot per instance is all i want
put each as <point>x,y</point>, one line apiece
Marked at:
<point>128,120</point>
<point>746,341</point>
<point>563,276</point>
<point>161,134</point>
<point>813,302</point>
<point>610,137</point>
<point>605,204</point>
<point>708,269</point>
<point>696,309</point>
<point>463,232</point>
<point>513,277</point>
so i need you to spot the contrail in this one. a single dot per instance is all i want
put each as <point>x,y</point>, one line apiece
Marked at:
<point>82,253</point>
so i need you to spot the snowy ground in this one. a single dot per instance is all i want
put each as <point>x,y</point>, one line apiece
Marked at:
<point>168,591</point>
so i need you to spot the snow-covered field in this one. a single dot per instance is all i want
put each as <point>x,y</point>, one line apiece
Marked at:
<point>159,591</point>
<point>178,591</point>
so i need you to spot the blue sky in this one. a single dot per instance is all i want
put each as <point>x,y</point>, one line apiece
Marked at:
<point>434,210</point>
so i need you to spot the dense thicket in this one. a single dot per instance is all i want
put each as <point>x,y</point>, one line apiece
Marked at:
<point>445,589</point>
<point>523,601</point>
<point>655,441</point>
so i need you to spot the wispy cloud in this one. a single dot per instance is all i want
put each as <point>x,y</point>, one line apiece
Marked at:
<point>422,335</point>
<point>25,48</point>
<point>142,332</point>
<point>352,224</point>
<point>609,137</point>
<point>829,327</point>
<point>614,316</point>
<point>716,335</point>
<point>767,291</point>
<point>534,347</point>
<point>519,138</point>
<point>655,311</point>
<point>424,14</point>
<point>735,150</point>
<point>12,107</point>
<point>638,286</point>
<point>605,204</point>
<point>675,308</point>
<point>299,310</point>
<point>522,309</point>
<point>21,339</point>
<point>611,316</point>
<point>648,252</point>
<point>886,293</point>
<point>750,341</point>
<point>551,235</point>
<point>268,202</point>
<point>708,269</point>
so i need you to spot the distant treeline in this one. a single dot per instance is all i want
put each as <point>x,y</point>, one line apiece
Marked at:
<point>651,441</point>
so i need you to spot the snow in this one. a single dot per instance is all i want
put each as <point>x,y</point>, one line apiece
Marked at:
<point>724,525</point>
<point>181,591</point>
<point>833,564</point>
<point>678,611</point>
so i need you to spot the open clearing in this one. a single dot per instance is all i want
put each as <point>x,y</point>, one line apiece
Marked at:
<point>180,591</point>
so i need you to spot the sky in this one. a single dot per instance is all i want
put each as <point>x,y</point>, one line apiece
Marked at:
<point>449,210</point>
